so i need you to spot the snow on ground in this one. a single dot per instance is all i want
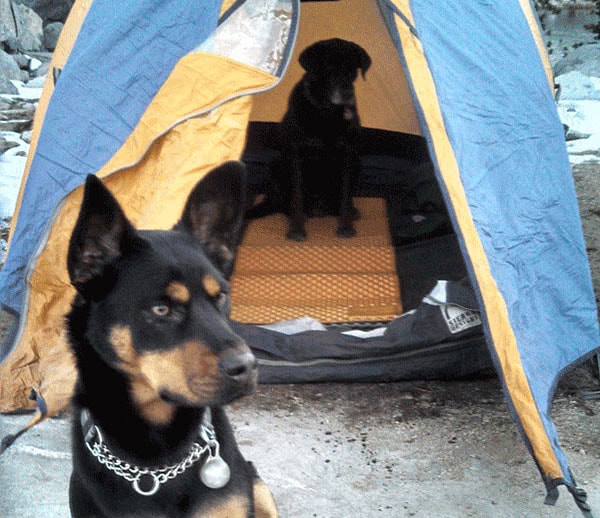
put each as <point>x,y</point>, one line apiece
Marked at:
<point>579,109</point>
<point>582,117</point>
<point>11,172</point>
<point>12,165</point>
<point>12,161</point>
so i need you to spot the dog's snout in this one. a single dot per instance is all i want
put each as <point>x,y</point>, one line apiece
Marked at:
<point>343,95</point>
<point>238,366</point>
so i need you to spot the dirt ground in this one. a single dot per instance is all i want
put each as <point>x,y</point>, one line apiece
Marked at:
<point>423,449</point>
<point>587,185</point>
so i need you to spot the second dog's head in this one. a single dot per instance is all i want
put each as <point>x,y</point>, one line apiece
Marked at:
<point>331,68</point>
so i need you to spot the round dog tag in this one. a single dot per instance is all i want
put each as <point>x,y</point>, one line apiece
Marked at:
<point>215,473</point>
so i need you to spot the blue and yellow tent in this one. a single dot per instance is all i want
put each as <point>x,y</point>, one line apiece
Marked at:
<point>151,95</point>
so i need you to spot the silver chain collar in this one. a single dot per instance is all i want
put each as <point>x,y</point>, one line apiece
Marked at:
<point>158,476</point>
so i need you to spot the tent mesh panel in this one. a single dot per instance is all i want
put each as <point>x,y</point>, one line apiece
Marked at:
<point>328,278</point>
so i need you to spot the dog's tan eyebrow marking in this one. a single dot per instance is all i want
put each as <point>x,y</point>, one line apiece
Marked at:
<point>211,285</point>
<point>178,292</point>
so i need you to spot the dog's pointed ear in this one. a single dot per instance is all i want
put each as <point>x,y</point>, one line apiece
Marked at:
<point>98,236</point>
<point>214,212</point>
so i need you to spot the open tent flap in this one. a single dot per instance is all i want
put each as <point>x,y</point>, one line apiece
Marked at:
<point>499,150</point>
<point>384,96</point>
<point>464,156</point>
<point>151,138</point>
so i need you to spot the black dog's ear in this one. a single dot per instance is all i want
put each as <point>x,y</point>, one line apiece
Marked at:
<point>214,212</point>
<point>363,60</point>
<point>99,234</point>
<point>310,57</point>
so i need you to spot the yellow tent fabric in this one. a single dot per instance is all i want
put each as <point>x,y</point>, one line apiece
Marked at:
<point>384,98</point>
<point>205,101</point>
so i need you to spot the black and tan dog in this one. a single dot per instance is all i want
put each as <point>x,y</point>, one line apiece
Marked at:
<point>319,165</point>
<point>157,359</point>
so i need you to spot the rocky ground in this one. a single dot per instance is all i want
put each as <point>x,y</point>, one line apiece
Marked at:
<point>587,184</point>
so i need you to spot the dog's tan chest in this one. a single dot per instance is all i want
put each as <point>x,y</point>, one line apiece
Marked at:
<point>235,506</point>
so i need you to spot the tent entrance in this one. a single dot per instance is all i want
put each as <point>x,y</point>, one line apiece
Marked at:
<point>404,242</point>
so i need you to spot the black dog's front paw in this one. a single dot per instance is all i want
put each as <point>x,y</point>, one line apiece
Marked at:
<point>296,235</point>
<point>346,232</point>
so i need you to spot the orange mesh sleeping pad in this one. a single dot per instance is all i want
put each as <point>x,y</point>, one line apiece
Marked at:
<point>331,279</point>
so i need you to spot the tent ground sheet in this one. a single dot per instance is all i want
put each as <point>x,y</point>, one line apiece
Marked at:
<point>328,278</point>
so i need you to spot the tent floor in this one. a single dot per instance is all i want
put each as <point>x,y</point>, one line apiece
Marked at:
<point>326,277</point>
<point>396,168</point>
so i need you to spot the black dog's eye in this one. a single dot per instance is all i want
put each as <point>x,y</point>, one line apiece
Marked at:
<point>161,310</point>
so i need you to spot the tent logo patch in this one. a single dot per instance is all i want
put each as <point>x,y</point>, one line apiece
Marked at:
<point>460,319</point>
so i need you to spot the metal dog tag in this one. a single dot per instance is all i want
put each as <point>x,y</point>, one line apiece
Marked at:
<point>215,473</point>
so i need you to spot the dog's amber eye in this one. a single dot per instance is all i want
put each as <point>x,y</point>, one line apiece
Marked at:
<point>161,310</point>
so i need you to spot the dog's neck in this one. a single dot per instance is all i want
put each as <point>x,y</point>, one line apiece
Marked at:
<point>106,393</point>
<point>129,433</point>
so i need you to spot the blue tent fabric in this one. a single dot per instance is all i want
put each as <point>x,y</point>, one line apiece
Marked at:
<point>80,144</point>
<point>504,129</point>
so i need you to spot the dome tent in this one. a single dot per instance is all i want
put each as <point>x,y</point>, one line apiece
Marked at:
<point>177,89</point>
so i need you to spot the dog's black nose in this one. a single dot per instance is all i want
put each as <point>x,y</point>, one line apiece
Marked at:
<point>239,366</point>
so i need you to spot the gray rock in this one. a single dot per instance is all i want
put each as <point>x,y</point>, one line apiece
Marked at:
<point>17,114</point>
<point>20,27</point>
<point>7,27</point>
<point>576,135</point>
<point>43,70</point>
<point>5,145</point>
<point>45,58</point>
<point>6,87</point>
<point>50,10</point>
<point>8,70</point>
<point>18,126</point>
<point>51,34</point>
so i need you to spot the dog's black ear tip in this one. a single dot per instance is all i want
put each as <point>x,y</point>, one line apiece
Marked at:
<point>236,168</point>
<point>93,187</point>
<point>232,174</point>
<point>364,62</point>
<point>91,181</point>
